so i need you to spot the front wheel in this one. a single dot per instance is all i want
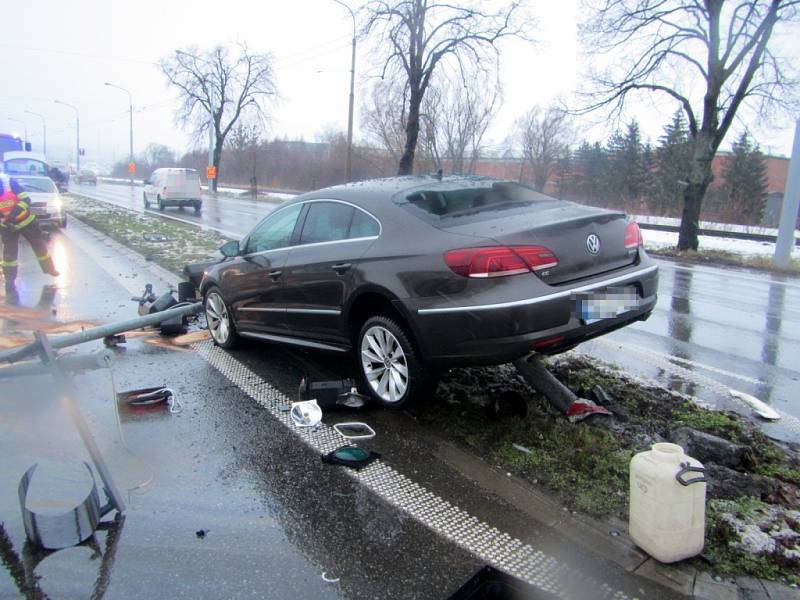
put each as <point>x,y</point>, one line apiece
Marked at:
<point>219,319</point>
<point>390,368</point>
<point>161,204</point>
<point>144,197</point>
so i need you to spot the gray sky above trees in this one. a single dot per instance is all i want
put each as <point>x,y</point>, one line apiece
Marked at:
<point>67,50</point>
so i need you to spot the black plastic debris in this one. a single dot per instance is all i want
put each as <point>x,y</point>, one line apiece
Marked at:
<point>507,404</point>
<point>146,397</point>
<point>350,456</point>
<point>201,533</point>
<point>603,398</point>
<point>491,584</point>
<point>330,394</point>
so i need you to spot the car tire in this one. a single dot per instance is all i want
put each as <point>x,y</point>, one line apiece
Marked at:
<point>62,223</point>
<point>144,197</point>
<point>198,207</point>
<point>219,319</point>
<point>161,205</point>
<point>383,341</point>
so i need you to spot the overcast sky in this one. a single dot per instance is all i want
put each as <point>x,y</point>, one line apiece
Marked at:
<point>67,50</point>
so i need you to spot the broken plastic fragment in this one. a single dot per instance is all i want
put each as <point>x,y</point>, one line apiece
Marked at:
<point>522,448</point>
<point>762,409</point>
<point>582,408</point>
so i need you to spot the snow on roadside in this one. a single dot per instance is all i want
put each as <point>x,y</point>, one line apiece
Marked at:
<point>654,240</point>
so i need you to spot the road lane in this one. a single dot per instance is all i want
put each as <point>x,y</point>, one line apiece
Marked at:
<point>740,328</point>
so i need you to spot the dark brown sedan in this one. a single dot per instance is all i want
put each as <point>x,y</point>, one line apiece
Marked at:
<point>416,274</point>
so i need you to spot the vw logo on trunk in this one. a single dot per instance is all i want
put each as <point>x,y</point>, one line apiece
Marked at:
<point>593,244</point>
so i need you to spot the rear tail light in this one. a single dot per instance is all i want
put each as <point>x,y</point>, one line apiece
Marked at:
<point>633,235</point>
<point>499,261</point>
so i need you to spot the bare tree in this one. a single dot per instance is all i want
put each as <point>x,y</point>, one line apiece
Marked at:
<point>459,116</point>
<point>421,35</point>
<point>663,46</point>
<point>543,137</point>
<point>216,87</point>
<point>383,117</point>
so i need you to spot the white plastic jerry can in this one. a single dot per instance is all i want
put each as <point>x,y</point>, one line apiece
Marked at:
<point>667,503</point>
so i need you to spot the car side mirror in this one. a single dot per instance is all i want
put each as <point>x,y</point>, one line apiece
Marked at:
<point>230,249</point>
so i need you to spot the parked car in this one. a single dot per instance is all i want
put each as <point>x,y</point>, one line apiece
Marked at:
<point>173,187</point>
<point>87,176</point>
<point>46,202</point>
<point>416,274</point>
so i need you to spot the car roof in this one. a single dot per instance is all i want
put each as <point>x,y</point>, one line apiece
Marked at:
<point>372,193</point>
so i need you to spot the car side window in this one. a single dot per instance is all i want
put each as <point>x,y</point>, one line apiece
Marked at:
<point>326,222</point>
<point>363,225</point>
<point>275,231</point>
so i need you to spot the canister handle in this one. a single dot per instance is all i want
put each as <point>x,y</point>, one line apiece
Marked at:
<point>687,468</point>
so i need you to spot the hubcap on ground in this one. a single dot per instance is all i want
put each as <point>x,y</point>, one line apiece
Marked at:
<point>384,364</point>
<point>218,320</point>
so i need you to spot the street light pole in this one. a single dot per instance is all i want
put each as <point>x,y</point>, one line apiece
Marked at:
<point>348,172</point>
<point>24,126</point>
<point>130,106</point>
<point>77,135</point>
<point>44,130</point>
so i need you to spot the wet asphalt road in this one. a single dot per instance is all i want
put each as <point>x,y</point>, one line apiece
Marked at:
<point>713,329</point>
<point>275,517</point>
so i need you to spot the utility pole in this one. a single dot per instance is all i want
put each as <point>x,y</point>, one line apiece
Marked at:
<point>348,170</point>
<point>130,107</point>
<point>44,130</point>
<point>791,200</point>
<point>77,135</point>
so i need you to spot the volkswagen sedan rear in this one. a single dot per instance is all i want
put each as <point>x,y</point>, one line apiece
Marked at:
<point>414,274</point>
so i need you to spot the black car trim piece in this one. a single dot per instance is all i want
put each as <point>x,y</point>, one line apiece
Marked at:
<point>291,340</point>
<point>307,311</point>
<point>537,300</point>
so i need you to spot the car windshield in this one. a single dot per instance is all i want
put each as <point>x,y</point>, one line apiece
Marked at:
<point>37,184</point>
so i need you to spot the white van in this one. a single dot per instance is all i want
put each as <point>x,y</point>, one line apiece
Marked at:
<point>173,187</point>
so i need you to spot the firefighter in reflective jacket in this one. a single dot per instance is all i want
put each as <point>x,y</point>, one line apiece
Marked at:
<point>16,219</point>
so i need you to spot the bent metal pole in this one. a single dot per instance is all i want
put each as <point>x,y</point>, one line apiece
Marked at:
<point>96,333</point>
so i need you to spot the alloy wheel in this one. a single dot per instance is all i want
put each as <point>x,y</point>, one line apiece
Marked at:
<point>384,364</point>
<point>219,322</point>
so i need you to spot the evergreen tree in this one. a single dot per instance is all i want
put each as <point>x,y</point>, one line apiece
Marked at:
<point>625,176</point>
<point>590,173</point>
<point>745,175</point>
<point>565,175</point>
<point>672,157</point>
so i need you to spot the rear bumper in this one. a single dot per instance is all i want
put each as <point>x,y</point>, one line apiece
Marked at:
<point>502,332</point>
<point>182,201</point>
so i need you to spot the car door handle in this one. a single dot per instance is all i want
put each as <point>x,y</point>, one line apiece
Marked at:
<point>275,274</point>
<point>340,268</point>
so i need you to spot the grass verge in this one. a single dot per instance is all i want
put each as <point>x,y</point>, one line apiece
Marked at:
<point>728,259</point>
<point>586,467</point>
<point>179,244</point>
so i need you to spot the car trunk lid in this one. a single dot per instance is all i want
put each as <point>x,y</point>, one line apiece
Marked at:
<point>586,241</point>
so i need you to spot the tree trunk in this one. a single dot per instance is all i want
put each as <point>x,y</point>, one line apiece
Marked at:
<point>412,135</point>
<point>217,160</point>
<point>700,176</point>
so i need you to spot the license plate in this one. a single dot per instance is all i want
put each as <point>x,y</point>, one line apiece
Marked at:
<point>607,304</point>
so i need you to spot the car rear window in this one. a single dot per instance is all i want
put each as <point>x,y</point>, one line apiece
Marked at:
<point>464,204</point>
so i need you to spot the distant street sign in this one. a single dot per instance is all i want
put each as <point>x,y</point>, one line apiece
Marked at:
<point>131,167</point>
<point>211,172</point>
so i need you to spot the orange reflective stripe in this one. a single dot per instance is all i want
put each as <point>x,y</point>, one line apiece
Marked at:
<point>8,263</point>
<point>26,222</point>
<point>43,258</point>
